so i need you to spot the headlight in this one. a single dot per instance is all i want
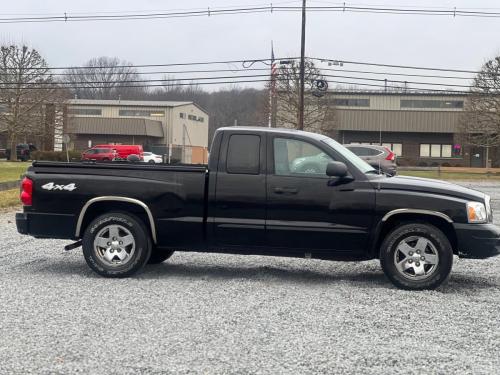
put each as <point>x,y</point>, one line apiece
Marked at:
<point>476,212</point>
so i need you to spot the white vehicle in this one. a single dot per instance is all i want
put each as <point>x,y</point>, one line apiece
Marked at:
<point>149,157</point>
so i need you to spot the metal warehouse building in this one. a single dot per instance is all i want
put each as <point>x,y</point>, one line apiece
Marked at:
<point>423,129</point>
<point>160,126</point>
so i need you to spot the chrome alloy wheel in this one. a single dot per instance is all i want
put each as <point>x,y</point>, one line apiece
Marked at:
<point>416,258</point>
<point>114,245</point>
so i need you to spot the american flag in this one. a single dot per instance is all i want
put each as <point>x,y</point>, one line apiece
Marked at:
<point>274,71</point>
<point>272,86</point>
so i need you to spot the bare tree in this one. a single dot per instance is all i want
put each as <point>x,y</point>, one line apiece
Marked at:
<point>319,114</point>
<point>27,89</point>
<point>480,121</point>
<point>226,107</point>
<point>104,78</point>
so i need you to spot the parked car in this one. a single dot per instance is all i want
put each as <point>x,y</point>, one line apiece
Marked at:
<point>100,154</point>
<point>23,151</point>
<point>379,157</point>
<point>149,157</point>
<point>256,197</point>
<point>123,151</point>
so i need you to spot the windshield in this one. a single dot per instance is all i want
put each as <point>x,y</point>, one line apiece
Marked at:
<point>362,165</point>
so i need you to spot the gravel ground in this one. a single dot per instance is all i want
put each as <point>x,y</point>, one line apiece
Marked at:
<point>207,313</point>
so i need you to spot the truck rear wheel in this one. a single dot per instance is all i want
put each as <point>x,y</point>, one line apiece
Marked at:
<point>116,245</point>
<point>159,255</point>
<point>416,256</point>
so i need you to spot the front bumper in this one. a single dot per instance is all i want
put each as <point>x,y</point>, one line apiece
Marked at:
<point>477,241</point>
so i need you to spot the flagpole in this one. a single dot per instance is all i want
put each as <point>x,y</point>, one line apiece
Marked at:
<point>300,122</point>
<point>270,118</point>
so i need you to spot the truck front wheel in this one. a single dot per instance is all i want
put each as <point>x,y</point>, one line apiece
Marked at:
<point>416,256</point>
<point>116,245</point>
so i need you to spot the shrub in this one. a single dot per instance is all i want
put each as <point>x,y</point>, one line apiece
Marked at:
<point>55,155</point>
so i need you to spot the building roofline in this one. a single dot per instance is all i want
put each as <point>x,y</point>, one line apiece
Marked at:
<point>396,93</point>
<point>196,105</point>
<point>138,103</point>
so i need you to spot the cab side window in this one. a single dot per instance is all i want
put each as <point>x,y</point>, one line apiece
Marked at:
<point>298,158</point>
<point>243,154</point>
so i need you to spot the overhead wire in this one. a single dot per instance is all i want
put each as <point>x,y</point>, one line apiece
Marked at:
<point>75,17</point>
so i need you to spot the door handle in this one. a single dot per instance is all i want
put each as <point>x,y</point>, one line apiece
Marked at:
<point>285,190</point>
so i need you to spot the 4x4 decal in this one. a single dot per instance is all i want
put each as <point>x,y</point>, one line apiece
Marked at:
<point>51,186</point>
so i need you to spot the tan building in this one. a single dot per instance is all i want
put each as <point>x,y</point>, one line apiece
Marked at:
<point>178,129</point>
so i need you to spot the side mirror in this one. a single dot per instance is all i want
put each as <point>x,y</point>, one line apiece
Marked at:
<point>336,169</point>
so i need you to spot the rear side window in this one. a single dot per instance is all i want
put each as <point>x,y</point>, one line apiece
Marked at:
<point>243,154</point>
<point>374,152</point>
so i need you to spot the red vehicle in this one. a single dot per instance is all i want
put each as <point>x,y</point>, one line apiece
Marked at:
<point>123,151</point>
<point>99,153</point>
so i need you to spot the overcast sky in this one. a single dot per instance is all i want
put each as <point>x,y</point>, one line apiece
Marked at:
<point>446,42</point>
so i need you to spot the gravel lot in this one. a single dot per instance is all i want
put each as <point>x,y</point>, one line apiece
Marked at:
<point>233,314</point>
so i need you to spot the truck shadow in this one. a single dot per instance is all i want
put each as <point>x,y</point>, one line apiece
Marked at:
<point>261,273</point>
<point>357,274</point>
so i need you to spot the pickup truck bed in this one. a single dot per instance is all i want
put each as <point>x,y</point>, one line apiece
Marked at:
<point>174,196</point>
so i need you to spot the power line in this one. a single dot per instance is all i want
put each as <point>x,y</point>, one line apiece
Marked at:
<point>233,70</point>
<point>399,88</point>
<point>174,84</point>
<point>396,66</point>
<point>69,17</point>
<point>174,80</point>
<point>197,79</point>
<point>237,70</point>
<point>404,82</point>
<point>385,73</point>
<point>251,62</point>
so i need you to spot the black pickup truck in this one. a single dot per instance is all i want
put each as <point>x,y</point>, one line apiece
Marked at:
<point>265,191</point>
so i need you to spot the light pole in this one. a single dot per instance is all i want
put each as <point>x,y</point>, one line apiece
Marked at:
<point>302,68</point>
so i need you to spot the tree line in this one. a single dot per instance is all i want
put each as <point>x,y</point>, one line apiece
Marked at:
<point>28,86</point>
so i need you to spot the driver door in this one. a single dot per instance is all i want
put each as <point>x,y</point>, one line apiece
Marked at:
<point>306,209</point>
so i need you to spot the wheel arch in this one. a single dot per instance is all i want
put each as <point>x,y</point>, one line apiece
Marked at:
<point>99,205</point>
<point>398,217</point>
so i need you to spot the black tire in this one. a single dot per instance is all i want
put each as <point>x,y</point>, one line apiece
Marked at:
<point>159,255</point>
<point>151,161</point>
<point>127,225</point>
<point>401,256</point>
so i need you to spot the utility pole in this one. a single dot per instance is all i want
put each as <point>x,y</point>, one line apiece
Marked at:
<point>302,68</point>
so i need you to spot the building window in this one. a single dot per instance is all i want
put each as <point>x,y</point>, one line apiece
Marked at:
<point>435,151</point>
<point>139,113</point>
<point>85,111</point>
<point>417,103</point>
<point>182,115</point>
<point>344,102</point>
